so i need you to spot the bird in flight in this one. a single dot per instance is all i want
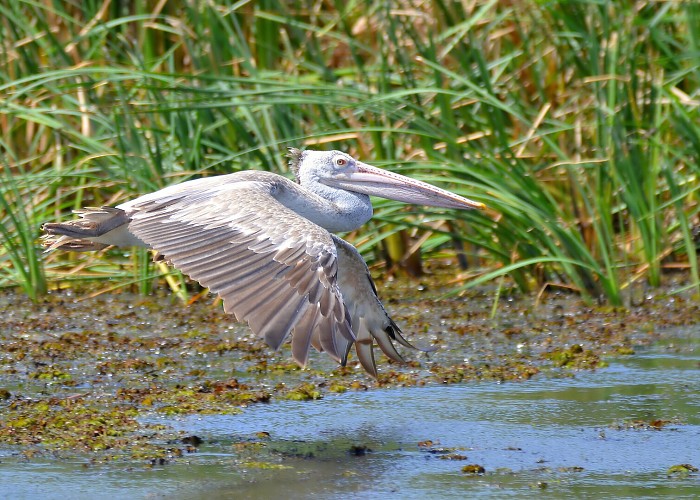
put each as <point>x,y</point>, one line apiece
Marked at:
<point>264,244</point>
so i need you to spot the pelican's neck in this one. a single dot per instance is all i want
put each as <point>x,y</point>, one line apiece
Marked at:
<point>335,210</point>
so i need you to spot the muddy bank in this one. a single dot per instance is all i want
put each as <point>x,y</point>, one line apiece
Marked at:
<point>84,375</point>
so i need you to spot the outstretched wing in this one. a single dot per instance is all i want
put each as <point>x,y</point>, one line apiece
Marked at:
<point>370,320</point>
<point>273,268</point>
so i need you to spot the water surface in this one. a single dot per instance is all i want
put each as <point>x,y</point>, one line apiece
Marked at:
<point>610,433</point>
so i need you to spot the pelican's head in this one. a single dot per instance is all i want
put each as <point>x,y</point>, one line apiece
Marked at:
<point>341,171</point>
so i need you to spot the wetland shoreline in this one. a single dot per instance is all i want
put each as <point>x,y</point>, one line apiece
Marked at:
<point>78,373</point>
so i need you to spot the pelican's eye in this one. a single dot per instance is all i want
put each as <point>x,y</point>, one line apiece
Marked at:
<point>340,161</point>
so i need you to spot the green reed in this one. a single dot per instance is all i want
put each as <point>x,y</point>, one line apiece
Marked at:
<point>575,122</point>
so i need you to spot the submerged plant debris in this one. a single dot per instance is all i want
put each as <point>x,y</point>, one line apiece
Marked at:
<point>682,470</point>
<point>77,373</point>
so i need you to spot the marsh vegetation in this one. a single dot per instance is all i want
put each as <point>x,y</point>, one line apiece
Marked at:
<point>575,122</point>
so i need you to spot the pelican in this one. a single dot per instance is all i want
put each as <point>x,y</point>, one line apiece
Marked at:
<point>263,243</point>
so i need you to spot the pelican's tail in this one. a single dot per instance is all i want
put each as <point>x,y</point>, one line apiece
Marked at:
<point>97,228</point>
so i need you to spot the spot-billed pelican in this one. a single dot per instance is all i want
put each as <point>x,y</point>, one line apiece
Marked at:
<point>263,243</point>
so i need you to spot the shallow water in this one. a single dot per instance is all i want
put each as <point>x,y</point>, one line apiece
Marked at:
<point>590,435</point>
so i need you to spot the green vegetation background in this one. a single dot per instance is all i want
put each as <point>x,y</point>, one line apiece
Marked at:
<point>576,122</point>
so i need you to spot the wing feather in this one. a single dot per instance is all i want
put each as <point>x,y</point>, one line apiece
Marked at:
<point>370,321</point>
<point>364,348</point>
<point>303,334</point>
<point>272,267</point>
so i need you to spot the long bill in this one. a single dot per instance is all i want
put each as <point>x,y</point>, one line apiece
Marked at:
<point>378,182</point>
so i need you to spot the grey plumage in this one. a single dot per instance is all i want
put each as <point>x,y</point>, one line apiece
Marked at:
<point>262,243</point>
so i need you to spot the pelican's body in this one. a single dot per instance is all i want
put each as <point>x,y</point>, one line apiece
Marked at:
<point>263,243</point>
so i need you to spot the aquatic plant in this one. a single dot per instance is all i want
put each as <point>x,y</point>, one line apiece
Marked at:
<point>576,122</point>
